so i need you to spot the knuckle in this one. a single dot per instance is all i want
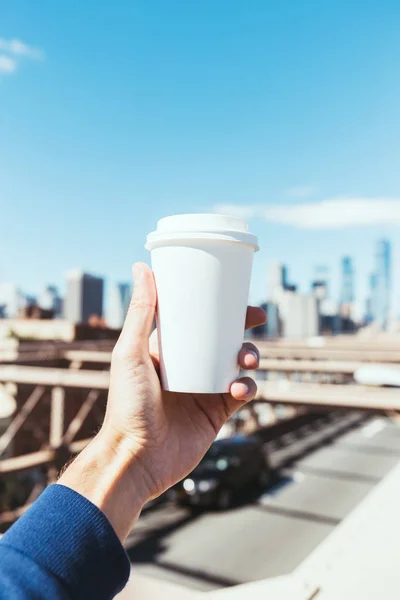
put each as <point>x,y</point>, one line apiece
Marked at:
<point>140,303</point>
<point>119,352</point>
<point>127,354</point>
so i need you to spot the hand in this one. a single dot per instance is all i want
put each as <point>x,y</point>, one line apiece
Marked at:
<point>167,433</point>
<point>150,438</point>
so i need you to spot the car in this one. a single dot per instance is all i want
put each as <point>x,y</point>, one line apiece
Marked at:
<point>229,466</point>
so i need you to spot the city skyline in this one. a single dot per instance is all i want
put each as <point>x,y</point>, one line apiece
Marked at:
<point>377,303</point>
<point>193,107</point>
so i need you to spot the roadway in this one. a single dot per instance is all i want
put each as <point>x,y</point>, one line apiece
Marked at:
<point>326,470</point>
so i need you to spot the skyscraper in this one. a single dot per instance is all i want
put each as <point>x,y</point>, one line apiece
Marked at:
<point>272,325</point>
<point>49,299</point>
<point>277,281</point>
<point>12,300</point>
<point>347,289</point>
<point>319,289</point>
<point>371,308</point>
<point>299,315</point>
<point>383,283</point>
<point>320,284</point>
<point>120,296</point>
<point>277,275</point>
<point>84,296</point>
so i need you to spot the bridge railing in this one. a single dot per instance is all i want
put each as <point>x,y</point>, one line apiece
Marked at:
<point>64,439</point>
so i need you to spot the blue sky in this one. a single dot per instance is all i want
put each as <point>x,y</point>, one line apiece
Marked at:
<point>114,114</point>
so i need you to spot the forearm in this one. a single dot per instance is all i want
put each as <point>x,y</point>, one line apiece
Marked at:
<point>110,476</point>
<point>67,546</point>
<point>62,547</point>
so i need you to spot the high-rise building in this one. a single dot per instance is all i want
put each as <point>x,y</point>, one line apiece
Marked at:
<point>330,320</point>
<point>320,283</point>
<point>49,299</point>
<point>12,300</point>
<point>311,310</point>
<point>383,283</point>
<point>271,328</point>
<point>84,296</point>
<point>119,299</point>
<point>277,280</point>
<point>272,324</point>
<point>299,315</point>
<point>371,308</point>
<point>347,284</point>
<point>319,289</point>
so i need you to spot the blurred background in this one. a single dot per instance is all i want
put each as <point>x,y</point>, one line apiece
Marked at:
<point>113,115</point>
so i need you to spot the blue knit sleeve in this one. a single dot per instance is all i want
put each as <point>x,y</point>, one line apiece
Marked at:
<point>62,547</point>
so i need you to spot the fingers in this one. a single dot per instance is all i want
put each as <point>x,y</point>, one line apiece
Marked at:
<point>139,320</point>
<point>255,316</point>
<point>243,390</point>
<point>249,356</point>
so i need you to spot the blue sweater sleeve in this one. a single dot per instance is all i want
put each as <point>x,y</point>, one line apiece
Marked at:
<point>63,548</point>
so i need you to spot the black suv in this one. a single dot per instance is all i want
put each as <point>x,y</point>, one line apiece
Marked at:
<point>228,466</point>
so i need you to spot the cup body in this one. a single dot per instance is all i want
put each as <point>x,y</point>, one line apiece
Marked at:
<point>202,285</point>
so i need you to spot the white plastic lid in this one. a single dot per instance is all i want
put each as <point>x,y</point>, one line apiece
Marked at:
<point>201,226</point>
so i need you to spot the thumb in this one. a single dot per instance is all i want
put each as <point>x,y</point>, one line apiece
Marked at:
<point>140,316</point>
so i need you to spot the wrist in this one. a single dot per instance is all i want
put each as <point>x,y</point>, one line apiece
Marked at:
<point>109,474</point>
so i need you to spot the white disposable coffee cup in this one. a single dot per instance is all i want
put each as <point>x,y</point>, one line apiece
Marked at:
<point>202,266</point>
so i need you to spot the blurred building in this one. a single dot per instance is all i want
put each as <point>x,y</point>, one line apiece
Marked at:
<point>277,281</point>
<point>330,320</point>
<point>383,283</point>
<point>347,288</point>
<point>12,300</point>
<point>299,315</point>
<point>371,308</point>
<point>50,300</point>
<point>290,314</point>
<point>84,297</point>
<point>119,299</point>
<point>347,284</point>
<point>271,328</point>
<point>272,325</point>
<point>319,289</point>
<point>33,311</point>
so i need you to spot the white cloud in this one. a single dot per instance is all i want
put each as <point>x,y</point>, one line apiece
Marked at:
<point>337,213</point>
<point>7,65</point>
<point>13,51</point>
<point>16,47</point>
<point>332,213</point>
<point>300,191</point>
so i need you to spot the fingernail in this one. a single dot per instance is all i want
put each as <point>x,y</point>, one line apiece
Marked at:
<point>247,392</point>
<point>137,273</point>
<point>253,353</point>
